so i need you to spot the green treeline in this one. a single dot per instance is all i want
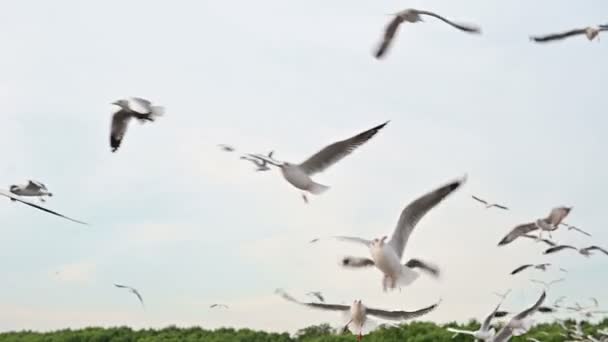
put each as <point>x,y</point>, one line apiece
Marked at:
<point>414,332</point>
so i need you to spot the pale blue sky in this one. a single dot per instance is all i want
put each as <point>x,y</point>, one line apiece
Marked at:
<point>189,225</point>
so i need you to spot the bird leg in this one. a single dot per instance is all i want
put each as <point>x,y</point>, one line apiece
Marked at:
<point>360,336</point>
<point>384,283</point>
<point>305,198</point>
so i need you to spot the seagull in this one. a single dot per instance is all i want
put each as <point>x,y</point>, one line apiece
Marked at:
<point>14,198</point>
<point>550,223</point>
<point>134,107</point>
<point>31,189</point>
<point>213,306</point>
<point>547,285</point>
<point>503,295</point>
<point>387,256</point>
<point>260,163</point>
<point>413,16</point>
<point>358,322</point>
<point>559,248</point>
<point>298,175</point>
<point>520,323</point>
<point>490,205</point>
<point>587,251</point>
<point>318,295</point>
<point>575,228</point>
<point>484,333</point>
<point>226,148</point>
<point>590,32</point>
<point>133,291</point>
<point>542,267</point>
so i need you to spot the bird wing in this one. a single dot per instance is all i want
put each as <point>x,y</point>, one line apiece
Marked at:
<point>414,211</point>
<point>579,230</point>
<point>558,248</point>
<point>122,286</point>
<point>400,315</point>
<point>389,34</point>
<point>597,248</point>
<point>546,309</point>
<point>322,306</point>
<point>532,309</point>
<point>15,198</point>
<point>507,331</point>
<point>557,215</point>
<point>353,239</point>
<point>120,122</point>
<point>462,27</point>
<point>501,313</point>
<point>139,105</point>
<point>336,151</point>
<point>557,36</point>
<point>35,186</point>
<point>458,331</point>
<point>520,268</point>
<point>356,262</point>
<point>486,323</point>
<point>500,206</point>
<point>141,300</point>
<point>479,200</point>
<point>424,266</point>
<point>518,231</point>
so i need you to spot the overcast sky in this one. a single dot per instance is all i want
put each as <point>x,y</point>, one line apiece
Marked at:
<point>189,225</point>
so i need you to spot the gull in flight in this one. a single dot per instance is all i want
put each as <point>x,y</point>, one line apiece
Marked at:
<point>386,256</point>
<point>14,198</point>
<point>358,322</point>
<point>484,333</point>
<point>490,205</point>
<point>550,223</point>
<point>317,295</point>
<point>547,285</point>
<point>503,295</point>
<point>218,306</point>
<point>590,32</point>
<point>299,175</point>
<point>413,16</point>
<point>520,323</point>
<point>133,291</point>
<point>575,229</point>
<point>542,267</point>
<point>587,251</point>
<point>31,189</point>
<point>260,163</point>
<point>134,107</point>
<point>226,148</point>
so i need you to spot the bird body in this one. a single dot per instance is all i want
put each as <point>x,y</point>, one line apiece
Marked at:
<point>591,32</point>
<point>134,107</point>
<point>133,291</point>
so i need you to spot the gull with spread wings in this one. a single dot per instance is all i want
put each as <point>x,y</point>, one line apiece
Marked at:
<point>31,189</point>
<point>14,198</point>
<point>133,291</point>
<point>357,313</point>
<point>387,256</point>
<point>591,32</point>
<point>547,284</point>
<point>133,107</point>
<point>549,224</point>
<point>411,15</point>
<point>299,175</point>
<point>542,267</point>
<point>587,251</point>
<point>519,324</point>
<point>489,205</point>
<point>218,306</point>
<point>484,333</point>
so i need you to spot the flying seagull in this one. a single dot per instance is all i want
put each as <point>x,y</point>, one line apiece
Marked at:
<point>387,256</point>
<point>299,175</point>
<point>31,189</point>
<point>213,306</point>
<point>226,148</point>
<point>134,107</point>
<point>17,199</point>
<point>133,291</point>
<point>317,295</point>
<point>489,205</point>
<point>503,295</point>
<point>587,251</point>
<point>550,223</point>
<point>542,267</point>
<point>413,16</point>
<point>484,333</point>
<point>260,163</point>
<point>547,285</point>
<point>575,229</point>
<point>358,321</point>
<point>590,32</point>
<point>559,248</point>
<point>520,323</point>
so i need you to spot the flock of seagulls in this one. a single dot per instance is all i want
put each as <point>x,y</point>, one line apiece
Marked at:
<point>385,254</point>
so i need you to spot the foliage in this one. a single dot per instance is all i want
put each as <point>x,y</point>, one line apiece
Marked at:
<point>413,332</point>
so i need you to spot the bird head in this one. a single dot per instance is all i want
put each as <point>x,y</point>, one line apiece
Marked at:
<point>14,188</point>
<point>121,103</point>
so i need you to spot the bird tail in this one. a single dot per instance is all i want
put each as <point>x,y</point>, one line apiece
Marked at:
<point>407,276</point>
<point>317,188</point>
<point>157,111</point>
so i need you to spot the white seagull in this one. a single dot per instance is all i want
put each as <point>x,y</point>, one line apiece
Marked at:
<point>413,16</point>
<point>542,267</point>
<point>387,256</point>
<point>587,251</point>
<point>590,32</point>
<point>547,285</point>
<point>299,175</point>
<point>358,322</point>
<point>218,306</point>
<point>133,291</point>
<point>134,107</point>
<point>484,333</point>
<point>14,198</point>
<point>489,205</point>
<point>549,223</point>
<point>260,163</point>
<point>31,189</point>
<point>519,324</point>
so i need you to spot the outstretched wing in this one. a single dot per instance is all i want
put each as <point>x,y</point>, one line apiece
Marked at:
<point>507,331</point>
<point>557,36</point>
<point>597,248</point>
<point>517,232</point>
<point>401,315</point>
<point>389,34</point>
<point>141,300</point>
<point>15,198</point>
<point>532,309</point>
<point>479,200</point>
<point>322,306</point>
<point>499,206</point>
<point>462,27</point>
<point>356,262</point>
<point>558,248</point>
<point>578,230</point>
<point>336,151</point>
<point>120,122</point>
<point>424,266</point>
<point>414,211</point>
<point>520,268</point>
